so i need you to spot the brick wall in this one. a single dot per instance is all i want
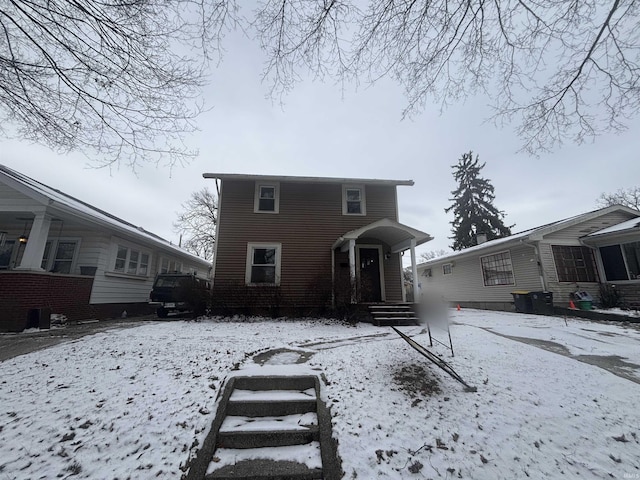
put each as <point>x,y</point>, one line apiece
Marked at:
<point>22,291</point>
<point>64,294</point>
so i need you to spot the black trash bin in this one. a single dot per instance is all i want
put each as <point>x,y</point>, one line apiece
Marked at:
<point>542,302</point>
<point>522,301</point>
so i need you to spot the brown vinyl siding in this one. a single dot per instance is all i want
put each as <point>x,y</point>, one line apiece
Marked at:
<point>309,221</point>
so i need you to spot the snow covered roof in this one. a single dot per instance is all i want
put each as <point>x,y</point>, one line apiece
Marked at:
<point>634,223</point>
<point>294,179</point>
<point>55,198</point>
<point>538,232</point>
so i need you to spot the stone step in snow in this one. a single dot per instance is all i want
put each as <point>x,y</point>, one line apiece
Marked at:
<point>267,438</point>
<point>271,431</point>
<point>240,395</point>
<point>258,408</point>
<point>269,428</point>
<point>297,461</point>
<point>287,422</point>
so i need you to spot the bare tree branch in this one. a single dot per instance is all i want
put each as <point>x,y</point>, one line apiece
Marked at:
<point>197,223</point>
<point>629,197</point>
<point>124,77</point>
<point>116,77</point>
<point>555,71</point>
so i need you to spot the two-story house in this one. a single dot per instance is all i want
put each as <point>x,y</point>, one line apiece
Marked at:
<point>308,243</point>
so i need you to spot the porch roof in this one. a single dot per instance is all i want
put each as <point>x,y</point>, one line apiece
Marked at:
<point>394,234</point>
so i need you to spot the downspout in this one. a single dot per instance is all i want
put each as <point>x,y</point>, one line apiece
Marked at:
<point>596,259</point>
<point>215,242</point>
<point>333,278</point>
<point>536,251</point>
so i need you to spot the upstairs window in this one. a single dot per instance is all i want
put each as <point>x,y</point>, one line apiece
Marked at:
<point>267,198</point>
<point>447,269</point>
<point>263,264</point>
<point>353,200</point>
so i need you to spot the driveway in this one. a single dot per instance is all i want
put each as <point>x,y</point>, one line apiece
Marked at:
<point>612,346</point>
<point>14,344</point>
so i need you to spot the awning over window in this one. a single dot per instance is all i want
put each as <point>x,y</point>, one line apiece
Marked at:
<point>394,234</point>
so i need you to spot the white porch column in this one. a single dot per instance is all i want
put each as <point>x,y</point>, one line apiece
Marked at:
<point>414,272</point>
<point>352,269</point>
<point>37,239</point>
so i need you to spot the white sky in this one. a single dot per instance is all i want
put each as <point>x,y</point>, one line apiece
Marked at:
<point>321,130</point>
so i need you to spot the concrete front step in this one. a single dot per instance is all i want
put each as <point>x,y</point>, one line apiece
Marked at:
<point>395,322</point>
<point>393,315</point>
<point>262,439</point>
<point>263,469</point>
<point>265,408</point>
<point>256,434</point>
<point>388,313</point>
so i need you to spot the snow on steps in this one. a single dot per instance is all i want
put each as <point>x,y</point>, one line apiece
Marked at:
<point>393,314</point>
<point>269,428</point>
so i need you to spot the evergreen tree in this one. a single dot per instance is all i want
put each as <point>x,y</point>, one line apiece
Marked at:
<point>473,209</point>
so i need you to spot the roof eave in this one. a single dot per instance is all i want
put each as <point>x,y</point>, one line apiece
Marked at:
<point>295,179</point>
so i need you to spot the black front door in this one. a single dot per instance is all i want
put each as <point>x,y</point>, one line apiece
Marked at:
<point>370,290</point>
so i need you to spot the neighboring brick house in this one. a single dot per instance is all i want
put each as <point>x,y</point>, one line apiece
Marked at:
<point>62,255</point>
<point>580,253</point>
<point>308,243</point>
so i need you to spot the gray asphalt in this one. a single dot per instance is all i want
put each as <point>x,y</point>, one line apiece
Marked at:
<point>15,344</point>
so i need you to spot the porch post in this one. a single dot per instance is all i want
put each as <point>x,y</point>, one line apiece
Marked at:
<point>414,272</point>
<point>37,240</point>
<point>352,269</point>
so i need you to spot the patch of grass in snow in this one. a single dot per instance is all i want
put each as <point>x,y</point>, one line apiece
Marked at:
<point>74,469</point>
<point>416,382</point>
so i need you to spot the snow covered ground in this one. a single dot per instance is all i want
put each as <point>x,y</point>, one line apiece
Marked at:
<point>136,403</point>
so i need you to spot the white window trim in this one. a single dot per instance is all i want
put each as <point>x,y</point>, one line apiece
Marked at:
<point>116,242</point>
<point>513,273</point>
<point>450,269</point>
<point>169,260</point>
<point>276,195</point>
<point>249,263</point>
<point>54,248</point>
<point>363,199</point>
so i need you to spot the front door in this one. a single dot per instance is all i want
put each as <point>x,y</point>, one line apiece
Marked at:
<point>369,285</point>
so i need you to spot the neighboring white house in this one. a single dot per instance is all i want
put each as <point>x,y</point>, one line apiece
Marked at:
<point>60,253</point>
<point>577,253</point>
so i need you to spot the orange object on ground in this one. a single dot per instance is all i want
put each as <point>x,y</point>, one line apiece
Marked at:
<point>458,307</point>
<point>572,305</point>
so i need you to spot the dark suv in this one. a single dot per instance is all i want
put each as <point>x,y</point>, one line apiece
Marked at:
<point>179,292</point>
